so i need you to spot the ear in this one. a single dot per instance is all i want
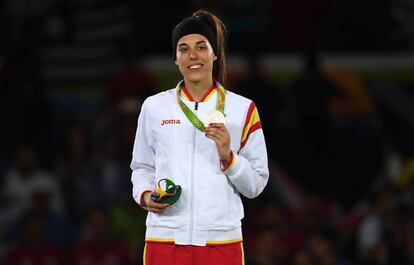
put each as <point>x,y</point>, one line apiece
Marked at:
<point>214,58</point>
<point>175,62</point>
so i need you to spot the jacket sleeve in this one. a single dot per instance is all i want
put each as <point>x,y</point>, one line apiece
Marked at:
<point>248,168</point>
<point>143,156</point>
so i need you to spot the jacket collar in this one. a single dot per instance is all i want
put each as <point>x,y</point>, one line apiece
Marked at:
<point>186,94</point>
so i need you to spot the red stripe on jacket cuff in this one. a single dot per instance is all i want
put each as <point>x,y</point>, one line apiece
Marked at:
<point>226,166</point>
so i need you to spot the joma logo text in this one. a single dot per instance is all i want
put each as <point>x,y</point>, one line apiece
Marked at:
<point>165,122</point>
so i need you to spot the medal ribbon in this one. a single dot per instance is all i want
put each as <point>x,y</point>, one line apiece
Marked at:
<point>221,97</point>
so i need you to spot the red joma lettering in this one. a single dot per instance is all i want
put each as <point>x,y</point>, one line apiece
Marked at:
<point>172,121</point>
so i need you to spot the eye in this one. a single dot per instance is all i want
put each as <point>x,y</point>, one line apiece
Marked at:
<point>182,49</point>
<point>201,48</point>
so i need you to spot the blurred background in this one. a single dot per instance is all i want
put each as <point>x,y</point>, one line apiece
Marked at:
<point>333,81</point>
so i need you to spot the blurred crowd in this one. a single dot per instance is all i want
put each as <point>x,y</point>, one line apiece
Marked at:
<point>340,25</point>
<point>341,151</point>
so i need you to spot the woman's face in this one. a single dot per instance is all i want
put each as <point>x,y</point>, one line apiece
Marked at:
<point>195,57</point>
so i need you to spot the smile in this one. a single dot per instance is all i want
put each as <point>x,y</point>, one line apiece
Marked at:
<point>195,66</point>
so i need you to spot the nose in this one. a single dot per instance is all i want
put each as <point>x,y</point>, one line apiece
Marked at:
<point>193,56</point>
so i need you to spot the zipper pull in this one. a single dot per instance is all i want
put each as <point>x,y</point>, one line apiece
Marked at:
<point>196,106</point>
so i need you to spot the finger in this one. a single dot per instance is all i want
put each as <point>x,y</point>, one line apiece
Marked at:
<point>216,125</point>
<point>154,210</point>
<point>215,137</point>
<point>221,130</point>
<point>215,132</point>
<point>218,140</point>
<point>156,205</point>
<point>159,205</point>
<point>217,128</point>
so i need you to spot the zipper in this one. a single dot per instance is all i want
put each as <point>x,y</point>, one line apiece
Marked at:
<point>192,181</point>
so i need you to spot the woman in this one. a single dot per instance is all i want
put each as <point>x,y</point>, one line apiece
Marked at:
<point>182,135</point>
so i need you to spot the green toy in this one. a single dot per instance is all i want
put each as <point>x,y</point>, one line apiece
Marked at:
<point>166,192</point>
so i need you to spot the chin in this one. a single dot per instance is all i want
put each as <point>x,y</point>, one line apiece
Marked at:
<point>195,77</point>
<point>192,79</point>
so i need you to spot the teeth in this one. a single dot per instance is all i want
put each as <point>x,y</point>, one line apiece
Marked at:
<point>196,66</point>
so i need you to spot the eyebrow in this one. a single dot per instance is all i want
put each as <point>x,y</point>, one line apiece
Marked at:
<point>198,42</point>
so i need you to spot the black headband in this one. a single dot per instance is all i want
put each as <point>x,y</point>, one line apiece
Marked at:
<point>192,25</point>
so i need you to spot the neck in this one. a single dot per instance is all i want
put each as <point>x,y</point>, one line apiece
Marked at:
<point>198,89</point>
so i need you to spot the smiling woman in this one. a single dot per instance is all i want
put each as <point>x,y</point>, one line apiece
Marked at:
<point>213,147</point>
<point>195,58</point>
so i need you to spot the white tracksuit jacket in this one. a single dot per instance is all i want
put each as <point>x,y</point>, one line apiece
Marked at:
<point>167,145</point>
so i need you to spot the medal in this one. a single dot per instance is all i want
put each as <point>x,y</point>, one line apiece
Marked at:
<point>214,116</point>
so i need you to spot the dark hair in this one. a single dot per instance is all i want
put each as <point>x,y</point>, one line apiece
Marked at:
<point>219,65</point>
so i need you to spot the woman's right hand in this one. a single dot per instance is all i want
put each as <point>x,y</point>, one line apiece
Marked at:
<point>152,206</point>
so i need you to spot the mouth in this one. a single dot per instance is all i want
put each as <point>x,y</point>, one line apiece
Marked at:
<point>195,66</point>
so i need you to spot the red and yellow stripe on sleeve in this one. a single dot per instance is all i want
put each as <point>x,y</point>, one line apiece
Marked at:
<point>251,124</point>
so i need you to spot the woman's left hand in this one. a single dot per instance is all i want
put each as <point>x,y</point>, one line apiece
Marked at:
<point>219,134</point>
